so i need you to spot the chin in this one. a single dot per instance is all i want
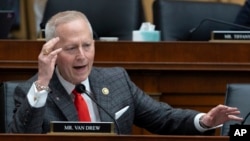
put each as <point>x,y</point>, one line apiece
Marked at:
<point>79,80</point>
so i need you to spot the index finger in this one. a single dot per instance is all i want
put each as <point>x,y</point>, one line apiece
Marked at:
<point>51,44</point>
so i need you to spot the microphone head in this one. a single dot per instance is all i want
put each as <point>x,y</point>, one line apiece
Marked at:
<point>80,88</point>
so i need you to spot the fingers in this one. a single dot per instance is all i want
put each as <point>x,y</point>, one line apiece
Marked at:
<point>221,114</point>
<point>45,51</point>
<point>224,110</point>
<point>230,112</point>
<point>236,118</point>
<point>227,109</point>
<point>233,111</point>
<point>56,51</point>
<point>49,46</point>
<point>47,59</point>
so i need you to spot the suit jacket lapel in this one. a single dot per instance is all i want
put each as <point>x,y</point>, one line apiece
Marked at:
<point>62,99</point>
<point>97,84</point>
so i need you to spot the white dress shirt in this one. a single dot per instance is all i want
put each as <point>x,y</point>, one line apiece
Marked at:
<point>38,98</point>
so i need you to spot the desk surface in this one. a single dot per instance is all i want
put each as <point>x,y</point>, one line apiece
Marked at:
<point>77,137</point>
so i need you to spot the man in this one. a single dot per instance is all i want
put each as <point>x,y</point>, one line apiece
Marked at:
<point>66,60</point>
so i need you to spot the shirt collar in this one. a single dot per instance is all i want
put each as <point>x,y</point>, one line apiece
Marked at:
<point>69,87</point>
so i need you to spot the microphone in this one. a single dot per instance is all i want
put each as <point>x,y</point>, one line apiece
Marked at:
<point>82,89</point>
<point>237,26</point>
<point>246,117</point>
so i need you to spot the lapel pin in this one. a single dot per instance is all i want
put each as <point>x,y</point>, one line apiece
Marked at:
<point>105,91</point>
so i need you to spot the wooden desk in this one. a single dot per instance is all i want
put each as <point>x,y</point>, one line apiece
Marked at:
<point>72,137</point>
<point>183,74</point>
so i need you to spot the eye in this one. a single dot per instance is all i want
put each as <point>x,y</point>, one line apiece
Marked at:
<point>70,48</point>
<point>86,46</point>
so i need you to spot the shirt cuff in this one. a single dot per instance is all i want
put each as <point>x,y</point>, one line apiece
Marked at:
<point>199,127</point>
<point>37,98</point>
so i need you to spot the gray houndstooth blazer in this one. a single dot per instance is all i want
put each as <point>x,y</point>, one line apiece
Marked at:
<point>141,109</point>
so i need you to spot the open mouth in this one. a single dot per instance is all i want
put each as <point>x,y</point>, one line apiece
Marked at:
<point>80,68</point>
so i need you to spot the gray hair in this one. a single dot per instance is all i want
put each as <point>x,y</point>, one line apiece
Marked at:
<point>61,18</point>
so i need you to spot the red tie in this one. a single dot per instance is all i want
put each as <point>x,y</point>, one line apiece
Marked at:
<point>81,107</point>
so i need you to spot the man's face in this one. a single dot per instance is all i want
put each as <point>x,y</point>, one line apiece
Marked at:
<point>76,59</point>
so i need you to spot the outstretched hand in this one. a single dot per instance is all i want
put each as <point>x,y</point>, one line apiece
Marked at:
<point>220,114</point>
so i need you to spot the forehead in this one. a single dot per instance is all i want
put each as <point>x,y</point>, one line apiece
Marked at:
<point>73,29</point>
<point>76,24</point>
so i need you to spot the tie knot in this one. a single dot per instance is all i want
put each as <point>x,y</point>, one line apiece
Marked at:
<point>75,92</point>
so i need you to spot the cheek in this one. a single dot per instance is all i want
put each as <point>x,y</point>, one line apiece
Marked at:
<point>91,55</point>
<point>63,60</point>
<point>64,66</point>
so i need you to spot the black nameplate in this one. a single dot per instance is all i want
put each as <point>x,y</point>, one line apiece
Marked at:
<point>230,35</point>
<point>239,132</point>
<point>81,127</point>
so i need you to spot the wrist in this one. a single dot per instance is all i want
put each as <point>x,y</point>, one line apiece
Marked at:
<point>202,123</point>
<point>40,87</point>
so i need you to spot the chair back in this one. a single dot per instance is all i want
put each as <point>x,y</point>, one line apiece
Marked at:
<point>177,18</point>
<point>109,18</point>
<point>7,19</point>
<point>237,95</point>
<point>6,104</point>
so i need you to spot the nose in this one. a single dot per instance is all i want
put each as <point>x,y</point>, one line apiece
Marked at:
<point>81,51</point>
